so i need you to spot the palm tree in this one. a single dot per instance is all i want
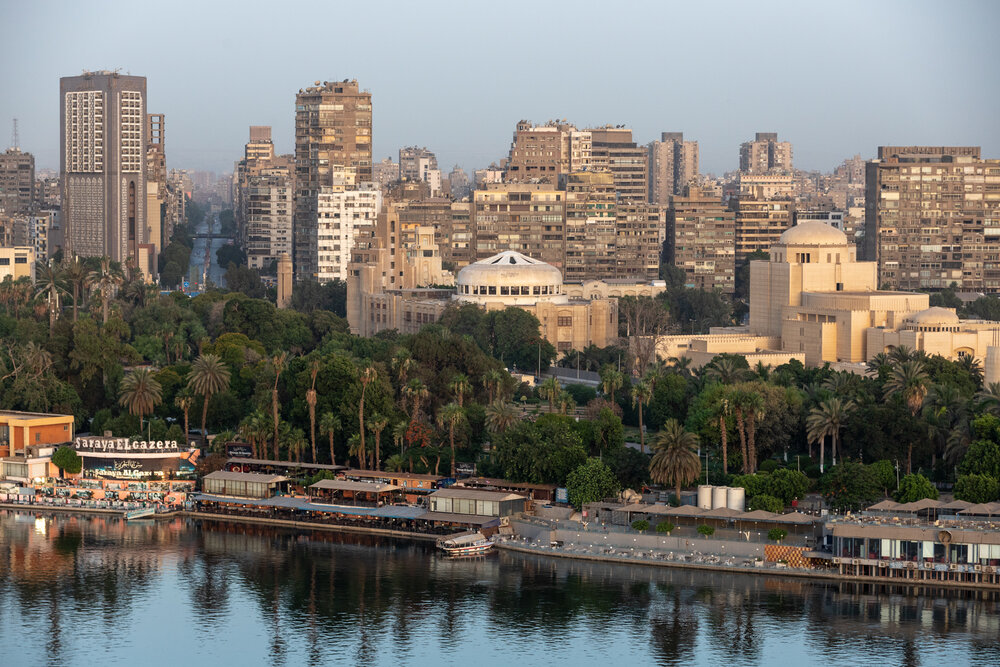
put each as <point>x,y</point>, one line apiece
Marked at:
<point>329,423</point>
<point>140,393</point>
<point>311,402</point>
<point>908,380</point>
<point>843,383</point>
<point>642,393</point>
<point>878,362</point>
<point>549,390</point>
<point>296,444</point>
<point>76,274</point>
<point>105,281</point>
<point>826,419</point>
<point>399,435</point>
<point>354,448</point>
<point>674,459</point>
<point>720,411</point>
<point>566,402</point>
<point>500,416</point>
<point>395,463</point>
<point>611,379</point>
<point>725,371</point>
<point>450,416</point>
<point>49,282</point>
<point>680,365</point>
<point>366,377</point>
<point>416,391</point>
<point>459,387</point>
<point>946,415</point>
<point>278,361</point>
<point>183,400</point>
<point>209,376</point>
<point>378,425</point>
<point>971,365</point>
<point>901,354</point>
<point>988,398</point>
<point>493,380</point>
<point>753,411</point>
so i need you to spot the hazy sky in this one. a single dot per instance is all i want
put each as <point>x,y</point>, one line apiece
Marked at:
<point>834,78</point>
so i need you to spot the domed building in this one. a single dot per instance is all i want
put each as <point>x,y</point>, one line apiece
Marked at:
<point>511,279</point>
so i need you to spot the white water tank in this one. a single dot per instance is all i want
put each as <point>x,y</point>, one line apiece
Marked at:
<point>705,496</point>
<point>737,498</point>
<point>718,497</point>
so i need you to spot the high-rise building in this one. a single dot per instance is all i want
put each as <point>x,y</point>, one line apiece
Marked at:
<point>527,217</point>
<point>547,152</point>
<point>701,240</point>
<point>385,172</point>
<point>640,231</point>
<point>765,154</point>
<point>673,164</point>
<point>156,180</point>
<point>458,183</point>
<point>590,226</point>
<point>932,218</point>
<point>17,182</point>
<point>103,163</point>
<point>267,204</point>
<point>415,163</point>
<point>343,216</point>
<point>333,126</point>
<point>612,149</point>
<point>759,223</point>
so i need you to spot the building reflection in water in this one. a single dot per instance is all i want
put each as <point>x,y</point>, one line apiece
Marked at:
<point>78,581</point>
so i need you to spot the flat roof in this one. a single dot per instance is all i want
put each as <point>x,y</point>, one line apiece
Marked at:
<point>475,494</point>
<point>228,476</point>
<point>286,464</point>
<point>449,517</point>
<point>346,485</point>
<point>492,481</point>
<point>17,414</point>
<point>385,512</point>
<point>354,472</point>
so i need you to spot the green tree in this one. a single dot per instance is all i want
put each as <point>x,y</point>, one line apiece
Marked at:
<point>459,387</point>
<point>976,488</point>
<point>140,393</point>
<point>915,487</point>
<point>641,525</point>
<point>706,530</point>
<point>786,485</point>
<point>77,275</point>
<point>366,377</point>
<point>500,416</point>
<point>850,486</point>
<point>826,419</point>
<point>611,380</point>
<point>982,458</point>
<point>329,423</point>
<point>777,534</point>
<point>378,424</point>
<point>48,283</point>
<point>674,459</point>
<point>550,390</point>
<point>105,281</point>
<point>591,482</point>
<point>209,376</point>
<point>67,460</point>
<point>642,393</point>
<point>909,382</point>
<point>449,417</point>
<point>766,503</point>
<point>665,527</point>
<point>885,474</point>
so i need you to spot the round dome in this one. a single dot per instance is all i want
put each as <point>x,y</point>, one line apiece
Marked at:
<point>935,315</point>
<point>510,277</point>
<point>813,233</point>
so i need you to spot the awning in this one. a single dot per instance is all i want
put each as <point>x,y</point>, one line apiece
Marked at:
<point>884,506</point>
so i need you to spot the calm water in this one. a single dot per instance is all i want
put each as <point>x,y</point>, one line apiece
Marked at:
<point>81,590</point>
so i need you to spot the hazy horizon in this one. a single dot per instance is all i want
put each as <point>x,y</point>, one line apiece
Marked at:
<point>834,80</point>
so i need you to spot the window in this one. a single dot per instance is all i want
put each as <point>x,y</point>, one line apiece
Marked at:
<point>565,321</point>
<point>4,261</point>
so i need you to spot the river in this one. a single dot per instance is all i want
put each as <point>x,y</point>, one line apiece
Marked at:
<point>93,590</point>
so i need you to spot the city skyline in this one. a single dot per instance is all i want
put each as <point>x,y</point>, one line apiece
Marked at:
<point>463,105</point>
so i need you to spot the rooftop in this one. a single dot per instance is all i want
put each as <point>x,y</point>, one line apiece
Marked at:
<point>475,494</point>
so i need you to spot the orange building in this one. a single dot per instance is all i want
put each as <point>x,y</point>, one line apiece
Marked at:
<point>19,430</point>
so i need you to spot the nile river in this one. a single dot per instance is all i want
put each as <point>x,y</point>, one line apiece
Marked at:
<point>91,590</point>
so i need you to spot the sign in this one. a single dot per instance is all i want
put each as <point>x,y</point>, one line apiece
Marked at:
<point>85,445</point>
<point>239,450</point>
<point>562,496</point>
<point>463,468</point>
<point>125,468</point>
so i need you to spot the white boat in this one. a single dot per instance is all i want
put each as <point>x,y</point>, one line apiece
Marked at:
<point>471,543</point>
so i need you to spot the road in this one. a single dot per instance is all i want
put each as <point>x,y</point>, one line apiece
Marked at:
<point>203,264</point>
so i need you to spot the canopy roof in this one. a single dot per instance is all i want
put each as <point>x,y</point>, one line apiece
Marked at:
<point>357,487</point>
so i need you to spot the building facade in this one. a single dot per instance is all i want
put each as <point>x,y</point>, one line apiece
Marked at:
<point>546,152</point>
<point>701,240</point>
<point>932,217</point>
<point>612,149</point>
<point>17,182</point>
<point>103,164</point>
<point>765,154</point>
<point>673,165</point>
<point>759,223</point>
<point>527,217</point>
<point>591,223</point>
<point>343,216</point>
<point>333,126</point>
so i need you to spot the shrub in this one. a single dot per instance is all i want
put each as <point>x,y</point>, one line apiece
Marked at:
<point>915,487</point>
<point>777,534</point>
<point>977,488</point>
<point>706,530</point>
<point>770,465</point>
<point>766,503</point>
<point>665,527</point>
<point>67,460</point>
<point>641,525</point>
<point>787,484</point>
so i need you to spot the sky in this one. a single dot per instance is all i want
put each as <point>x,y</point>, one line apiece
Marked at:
<point>834,78</point>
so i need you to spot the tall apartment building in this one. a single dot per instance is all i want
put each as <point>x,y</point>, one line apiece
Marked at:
<point>932,218</point>
<point>431,212</point>
<point>344,215</point>
<point>457,250</point>
<point>640,230</point>
<point>590,226</point>
<point>759,223</point>
<point>17,182</point>
<point>547,152</point>
<point>156,179</point>
<point>527,217</point>
<point>701,240</point>
<point>385,172</point>
<point>415,163</point>
<point>458,183</point>
<point>673,164</point>
<point>267,203</point>
<point>333,126</point>
<point>103,163</point>
<point>765,154</point>
<point>612,149</point>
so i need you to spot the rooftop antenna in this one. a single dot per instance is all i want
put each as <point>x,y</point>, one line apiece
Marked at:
<point>15,140</point>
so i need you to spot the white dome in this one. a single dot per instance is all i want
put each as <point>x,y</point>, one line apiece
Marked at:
<point>935,315</point>
<point>813,233</point>
<point>509,277</point>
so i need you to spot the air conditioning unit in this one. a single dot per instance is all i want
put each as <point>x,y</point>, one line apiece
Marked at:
<point>882,564</point>
<point>978,567</point>
<point>952,566</point>
<point>836,561</point>
<point>855,561</point>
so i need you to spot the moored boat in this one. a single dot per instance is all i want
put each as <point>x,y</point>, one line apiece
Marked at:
<point>472,543</point>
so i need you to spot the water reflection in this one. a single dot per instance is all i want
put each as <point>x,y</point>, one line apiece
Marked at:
<point>83,587</point>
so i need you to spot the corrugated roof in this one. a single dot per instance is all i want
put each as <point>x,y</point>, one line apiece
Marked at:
<point>245,477</point>
<point>475,494</point>
<point>346,485</point>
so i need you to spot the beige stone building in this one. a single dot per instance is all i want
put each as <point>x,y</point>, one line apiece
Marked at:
<point>759,222</point>
<point>765,154</point>
<point>527,217</point>
<point>701,240</point>
<point>547,152</point>
<point>17,262</point>
<point>612,149</point>
<point>673,165</point>
<point>932,217</point>
<point>591,211</point>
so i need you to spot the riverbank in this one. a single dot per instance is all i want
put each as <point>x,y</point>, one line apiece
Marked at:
<point>640,559</point>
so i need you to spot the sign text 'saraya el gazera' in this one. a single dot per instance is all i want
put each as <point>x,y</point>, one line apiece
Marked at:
<point>126,446</point>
